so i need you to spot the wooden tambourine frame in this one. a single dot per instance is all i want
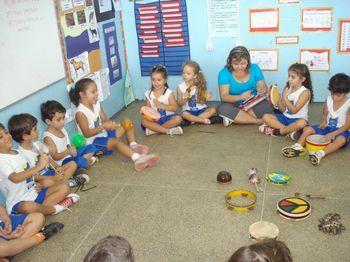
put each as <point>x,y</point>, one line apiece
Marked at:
<point>315,29</point>
<point>317,50</point>
<point>340,24</point>
<point>263,29</point>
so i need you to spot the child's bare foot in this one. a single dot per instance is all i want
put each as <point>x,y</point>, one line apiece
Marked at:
<point>146,161</point>
<point>141,149</point>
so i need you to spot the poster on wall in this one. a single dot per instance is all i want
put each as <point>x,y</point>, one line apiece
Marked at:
<point>264,20</point>
<point>288,1</point>
<point>344,36</point>
<point>316,59</point>
<point>222,18</point>
<point>112,53</point>
<point>267,59</point>
<point>287,40</point>
<point>162,34</point>
<point>316,19</point>
<point>104,10</point>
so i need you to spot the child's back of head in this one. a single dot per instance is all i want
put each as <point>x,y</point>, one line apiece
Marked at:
<point>110,249</point>
<point>20,125</point>
<point>339,84</point>
<point>49,109</point>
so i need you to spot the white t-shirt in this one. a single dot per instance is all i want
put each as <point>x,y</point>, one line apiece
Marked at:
<point>164,99</point>
<point>94,120</point>
<point>293,98</point>
<point>31,157</point>
<point>337,118</point>
<point>192,105</point>
<point>61,143</point>
<point>15,192</point>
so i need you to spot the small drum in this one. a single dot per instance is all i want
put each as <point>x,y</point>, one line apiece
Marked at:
<point>273,95</point>
<point>278,178</point>
<point>316,142</point>
<point>262,230</point>
<point>240,200</point>
<point>294,208</point>
<point>150,114</point>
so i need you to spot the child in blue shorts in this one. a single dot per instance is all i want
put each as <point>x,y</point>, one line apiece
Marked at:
<point>335,123</point>
<point>103,133</point>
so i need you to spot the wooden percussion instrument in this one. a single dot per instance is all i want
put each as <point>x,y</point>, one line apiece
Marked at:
<point>150,114</point>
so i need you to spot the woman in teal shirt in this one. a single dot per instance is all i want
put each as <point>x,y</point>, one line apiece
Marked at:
<point>239,80</point>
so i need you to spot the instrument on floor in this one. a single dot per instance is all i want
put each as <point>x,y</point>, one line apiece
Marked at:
<point>316,142</point>
<point>224,177</point>
<point>273,95</point>
<point>150,114</point>
<point>294,208</point>
<point>240,200</point>
<point>278,178</point>
<point>262,230</point>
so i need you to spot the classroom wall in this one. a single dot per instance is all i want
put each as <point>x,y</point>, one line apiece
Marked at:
<point>57,91</point>
<point>212,61</point>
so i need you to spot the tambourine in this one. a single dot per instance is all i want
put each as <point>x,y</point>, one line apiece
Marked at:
<point>262,230</point>
<point>278,178</point>
<point>240,200</point>
<point>150,114</point>
<point>294,208</point>
<point>273,95</point>
<point>316,142</point>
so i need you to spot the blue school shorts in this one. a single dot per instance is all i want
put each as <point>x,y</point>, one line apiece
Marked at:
<point>101,142</point>
<point>195,112</point>
<point>48,172</point>
<point>161,121</point>
<point>16,220</point>
<point>39,200</point>
<point>330,129</point>
<point>285,120</point>
<point>81,161</point>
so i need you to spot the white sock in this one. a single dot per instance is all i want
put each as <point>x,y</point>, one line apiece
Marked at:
<point>322,153</point>
<point>298,145</point>
<point>168,132</point>
<point>135,156</point>
<point>58,209</point>
<point>132,144</point>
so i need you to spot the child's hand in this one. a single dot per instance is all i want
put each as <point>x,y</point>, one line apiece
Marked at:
<point>246,95</point>
<point>330,137</point>
<point>108,125</point>
<point>72,151</point>
<point>59,171</point>
<point>43,161</point>
<point>18,232</point>
<point>322,125</point>
<point>38,187</point>
<point>7,228</point>
<point>261,89</point>
<point>157,103</point>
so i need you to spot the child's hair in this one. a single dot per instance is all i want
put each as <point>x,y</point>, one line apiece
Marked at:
<point>80,86</point>
<point>266,251</point>
<point>200,80</point>
<point>2,127</point>
<point>111,248</point>
<point>50,108</point>
<point>303,71</point>
<point>20,125</point>
<point>237,54</point>
<point>161,70</point>
<point>339,84</point>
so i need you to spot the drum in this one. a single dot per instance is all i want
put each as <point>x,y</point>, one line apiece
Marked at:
<point>149,113</point>
<point>294,208</point>
<point>240,200</point>
<point>273,95</point>
<point>278,178</point>
<point>316,142</point>
<point>262,230</point>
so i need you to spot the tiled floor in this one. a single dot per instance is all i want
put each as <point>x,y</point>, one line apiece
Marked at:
<point>176,211</point>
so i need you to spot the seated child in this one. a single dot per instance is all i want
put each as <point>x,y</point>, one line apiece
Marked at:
<point>294,104</point>
<point>23,128</point>
<point>111,248</point>
<point>103,133</point>
<point>20,232</point>
<point>18,186</point>
<point>161,98</point>
<point>335,122</point>
<point>192,95</point>
<point>57,138</point>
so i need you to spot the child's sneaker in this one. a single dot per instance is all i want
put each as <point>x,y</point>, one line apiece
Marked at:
<point>294,151</point>
<point>267,130</point>
<point>294,135</point>
<point>146,161</point>
<point>175,131</point>
<point>51,229</point>
<point>67,202</point>
<point>78,180</point>
<point>150,132</point>
<point>316,157</point>
<point>216,120</point>
<point>207,121</point>
<point>226,121</point>
<point>141,149</point>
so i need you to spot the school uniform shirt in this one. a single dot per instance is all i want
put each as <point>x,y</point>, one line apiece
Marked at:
<point>164,99</point>
<point>293,98</point>
<point>61,143</point>
<point>94,120</point>
<point>191,105</point>
<point>337,118</point>
<point>15,192</point>
<point>31,157</point>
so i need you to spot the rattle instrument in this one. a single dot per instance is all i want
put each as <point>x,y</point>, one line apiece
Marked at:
<point>254,179</point>
<point>149,113</point>
<point>240,200</point>
<point>224,177</point>
<point>40,148</point>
